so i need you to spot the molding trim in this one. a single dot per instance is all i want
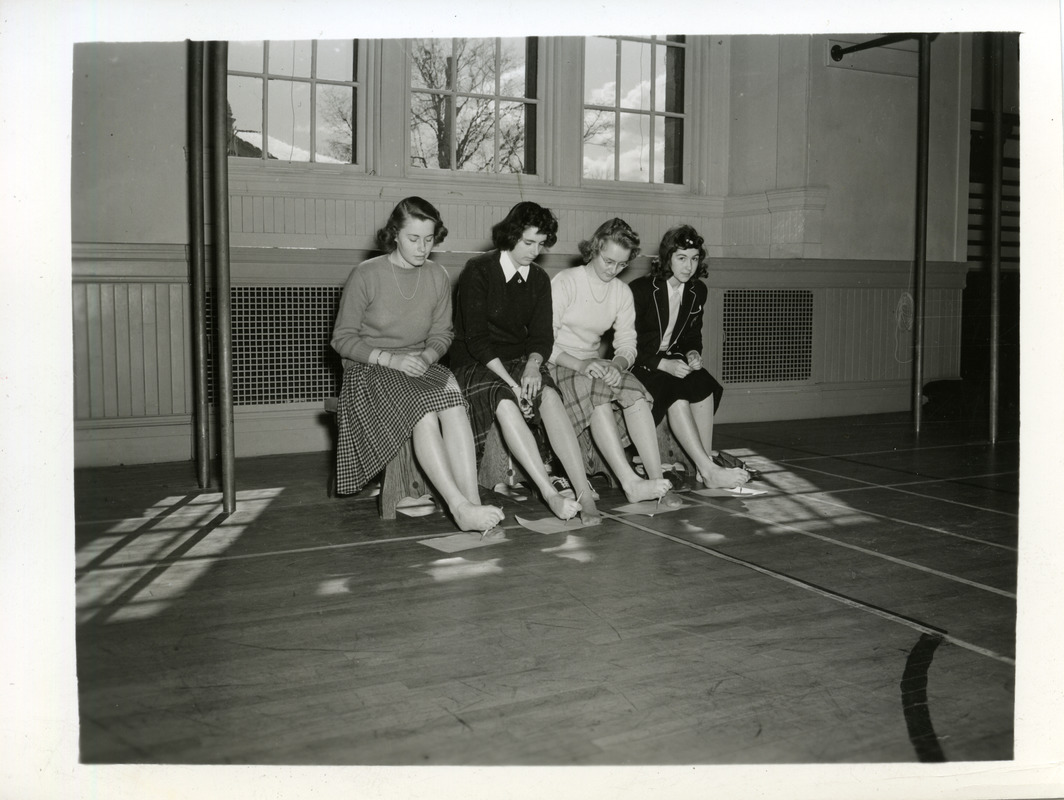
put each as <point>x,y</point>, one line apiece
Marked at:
<point>311,266</point>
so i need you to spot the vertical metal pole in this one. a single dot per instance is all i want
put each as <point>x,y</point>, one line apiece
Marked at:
<point>218,53</point>
<point>997,142</point>
<point>922,125</point>
<point>197,260</point>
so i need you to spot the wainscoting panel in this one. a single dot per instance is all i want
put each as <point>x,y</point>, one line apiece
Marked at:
<point>132,350</point>
<point>804,337</point>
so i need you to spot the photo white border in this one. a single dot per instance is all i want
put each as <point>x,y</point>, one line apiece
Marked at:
<point>38,738</point>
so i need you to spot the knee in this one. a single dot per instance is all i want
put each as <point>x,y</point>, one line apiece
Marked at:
<point>507,408</point>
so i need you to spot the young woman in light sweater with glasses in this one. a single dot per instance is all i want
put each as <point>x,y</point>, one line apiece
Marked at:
<point>587,302</point>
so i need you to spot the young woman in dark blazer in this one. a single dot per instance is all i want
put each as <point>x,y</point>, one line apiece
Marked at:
<point>669,306</point>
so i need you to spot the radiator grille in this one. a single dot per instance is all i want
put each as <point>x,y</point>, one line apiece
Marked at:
<point>768,335</point>
<point>281,350</point>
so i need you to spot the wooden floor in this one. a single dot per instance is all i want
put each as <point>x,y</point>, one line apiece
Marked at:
<point>862,610</point>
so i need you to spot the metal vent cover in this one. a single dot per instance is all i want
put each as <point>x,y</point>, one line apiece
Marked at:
<point>281,349</point>
<point>768,335</point>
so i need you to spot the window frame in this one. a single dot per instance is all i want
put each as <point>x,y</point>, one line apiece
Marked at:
<point>539,101</point>
<point>384,102</point>
<point>689,113</point>
<point>362,151</point>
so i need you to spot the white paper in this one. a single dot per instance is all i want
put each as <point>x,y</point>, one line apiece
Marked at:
<point>649,508</point>
<point>550,524</point>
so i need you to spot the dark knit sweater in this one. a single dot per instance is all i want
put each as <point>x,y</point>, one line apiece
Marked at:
<point>495,319</point>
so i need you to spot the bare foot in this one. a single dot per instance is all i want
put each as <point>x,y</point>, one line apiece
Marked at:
<point>477,518</point>
<point>720,478</point>
<point>562,507</point>
<point>646,489</point>
<point>589,513</point>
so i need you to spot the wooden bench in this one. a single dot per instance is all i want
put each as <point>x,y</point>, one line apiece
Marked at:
<point>401,478</point>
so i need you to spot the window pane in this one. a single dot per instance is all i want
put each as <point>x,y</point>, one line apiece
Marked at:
<point>635,75</point>
<point>288,125</point>
<point>245,108</point>
<point>669,77</point>
<point>335,134</point>
<point>600,71</point>
<point>475,60</point>
<point>515,144</point>
<point>429,63</point>
<point>517,76</point>
<point>673,161</point>
<point>290,58</point>
<point>336,60</point>
<point>474,134</point>
<point>530,139</point>
<point>245,56</point>
<point>429,112</point>
<point>634,148</point>
<point>659,150</point>
<point>458,120</point>
<point>598,144</point>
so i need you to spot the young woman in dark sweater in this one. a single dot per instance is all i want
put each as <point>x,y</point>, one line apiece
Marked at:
<point>669,306</point>
<point>503,337</point>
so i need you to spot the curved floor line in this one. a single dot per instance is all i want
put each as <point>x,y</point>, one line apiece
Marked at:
<point>914,700</point>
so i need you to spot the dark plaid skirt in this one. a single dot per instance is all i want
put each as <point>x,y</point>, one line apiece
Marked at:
<point>377,412</point>
<point>582,394</point>
<point>484,389</point>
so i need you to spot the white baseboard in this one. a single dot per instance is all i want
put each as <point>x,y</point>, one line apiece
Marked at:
<point>808,401</point>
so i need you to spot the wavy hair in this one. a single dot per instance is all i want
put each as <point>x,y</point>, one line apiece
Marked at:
<point>406,209</point>
<point>614,230</point>
<point>681,237</point>
<point>506,234</point>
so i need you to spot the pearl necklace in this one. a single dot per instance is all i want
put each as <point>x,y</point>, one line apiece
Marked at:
<point>395,278</point>
<point>591,287</point>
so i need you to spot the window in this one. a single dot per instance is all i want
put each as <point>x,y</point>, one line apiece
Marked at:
<point>473,104</point>
<point>633,125</point>
<point>294,101</point>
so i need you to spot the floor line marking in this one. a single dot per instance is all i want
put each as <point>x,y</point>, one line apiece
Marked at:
<point>271,553</point>
<point>827,593</point>
<point>957,479</point>
<point>895,450</point>
<point>893,488</point>
<point>923,482</point>
<point>910,524</point>
<point>858,548</point>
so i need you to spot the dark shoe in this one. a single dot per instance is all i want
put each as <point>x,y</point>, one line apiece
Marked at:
<point>728,461</point>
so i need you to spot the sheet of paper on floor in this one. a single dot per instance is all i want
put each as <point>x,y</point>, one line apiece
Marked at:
<point>463,541</point>
<point>550,524</point>
<point>649,508</point>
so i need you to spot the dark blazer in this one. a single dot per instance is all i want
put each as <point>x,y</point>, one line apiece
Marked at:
<point>490,321</point>
<point>652,317</point>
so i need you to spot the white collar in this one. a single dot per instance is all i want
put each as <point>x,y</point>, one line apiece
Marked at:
<point>508,268</point>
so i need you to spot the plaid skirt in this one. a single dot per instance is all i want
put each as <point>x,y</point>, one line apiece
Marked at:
<point>483,390</point>
<point>376,414</point>
<point>582,394</point>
